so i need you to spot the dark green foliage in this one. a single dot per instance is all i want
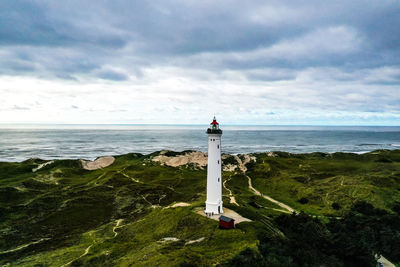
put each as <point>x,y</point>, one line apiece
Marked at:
<point>341,178</point>
<point>302,179</point>
<point>65,209</point>
<point>396,208</point>
<point>351,241</point>
<point>248,257</point>
<point>383,160</point>
<point>336,206</point>
<point>61,201</point>
<point>303,200</point>
<point>229,160</point>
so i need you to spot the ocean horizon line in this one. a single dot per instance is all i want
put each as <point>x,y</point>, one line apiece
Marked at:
<point>90,141</point>
<point>6,125</point>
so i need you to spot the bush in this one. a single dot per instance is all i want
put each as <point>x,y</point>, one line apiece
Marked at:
<point>353,240</point>
<point>303,200</point>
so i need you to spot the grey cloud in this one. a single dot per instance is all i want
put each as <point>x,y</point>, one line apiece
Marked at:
<point>112,75</point>
<point>158,30</point>
<point>271,74</point>
<point>171,29</point>
<point>324,49</point>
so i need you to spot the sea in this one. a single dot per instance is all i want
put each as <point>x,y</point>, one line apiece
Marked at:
<point>21,142</point>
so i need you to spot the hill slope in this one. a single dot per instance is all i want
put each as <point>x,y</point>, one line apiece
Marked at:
<point>58,213</point>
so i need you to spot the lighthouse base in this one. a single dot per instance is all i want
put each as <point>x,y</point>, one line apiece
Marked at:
<point>213,208</point>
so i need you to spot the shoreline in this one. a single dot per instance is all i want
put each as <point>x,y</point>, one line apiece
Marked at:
<point>183,152</point>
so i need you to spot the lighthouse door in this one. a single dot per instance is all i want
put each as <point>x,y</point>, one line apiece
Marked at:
<point>219,209</point>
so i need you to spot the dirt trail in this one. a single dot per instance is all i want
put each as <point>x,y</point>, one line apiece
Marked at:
<point>24,246</point>
<point>129,177</point>
<point>84,254</point>
<point>284,211</point>
<point>232,199</point>
<point>258,193</point>
<point>42,165</point>
<point>242,164</point>
<point>194,241</point>
<point>117,226</point>
<point>243,168</point>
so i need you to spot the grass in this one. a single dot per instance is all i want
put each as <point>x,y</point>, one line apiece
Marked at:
<point>324,179</point>
<point>140,242</point>
<point>55,214</point>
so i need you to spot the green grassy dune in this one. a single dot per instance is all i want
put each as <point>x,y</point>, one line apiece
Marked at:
<point>65,215</point>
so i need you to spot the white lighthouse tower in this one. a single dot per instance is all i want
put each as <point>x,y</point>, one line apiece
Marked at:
<point>214,177</point>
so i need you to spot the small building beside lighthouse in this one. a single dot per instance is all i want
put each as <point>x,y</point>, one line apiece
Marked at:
<point>214,174</point>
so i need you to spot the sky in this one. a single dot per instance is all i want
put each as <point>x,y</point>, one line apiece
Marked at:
<point>181,62</point>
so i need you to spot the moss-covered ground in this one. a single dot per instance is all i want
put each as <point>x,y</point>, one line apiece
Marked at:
<point>329,184</point>
<point>62,214</point>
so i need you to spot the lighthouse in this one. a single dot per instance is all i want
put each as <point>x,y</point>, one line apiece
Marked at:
<point>214,177</point>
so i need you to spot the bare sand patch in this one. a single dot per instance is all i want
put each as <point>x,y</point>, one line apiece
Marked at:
<point>227,212</point>
<point>229,168</point>
<point>180,204</point>
<point>196,157</point>
<point>98,163</point>
<point>242,164</point>
<point>168,239</point>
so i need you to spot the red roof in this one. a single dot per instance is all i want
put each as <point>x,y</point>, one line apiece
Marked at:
<point>214,122</point>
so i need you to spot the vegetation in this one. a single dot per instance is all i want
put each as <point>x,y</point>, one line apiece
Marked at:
<point>62,214</point>
<point>353,240</point>
<point>328,184</point>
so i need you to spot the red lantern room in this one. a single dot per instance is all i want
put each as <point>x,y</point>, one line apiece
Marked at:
<point>214,127</point>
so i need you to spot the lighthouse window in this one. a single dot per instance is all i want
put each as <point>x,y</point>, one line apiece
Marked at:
<point>217,146</point>
<point>218,179</point>
<point>218,161</point>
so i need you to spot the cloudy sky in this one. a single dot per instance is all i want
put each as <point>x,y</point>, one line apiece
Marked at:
<point>248,62</point>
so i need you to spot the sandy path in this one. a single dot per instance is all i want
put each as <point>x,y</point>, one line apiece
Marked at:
<point>117,226</point>
<point>385,262</point>
<point>232,199</point>
<point>242,164</point>
<point>42,165</point>
<point>194,241</point>
<point>24,246</point>
<point>84,254</point>
<point>258,193</point>
<point>243,168</point>
<point>127,176</point>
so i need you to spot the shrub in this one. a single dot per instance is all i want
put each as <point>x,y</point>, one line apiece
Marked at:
<point>303,200</point>
<point>336,206</point>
